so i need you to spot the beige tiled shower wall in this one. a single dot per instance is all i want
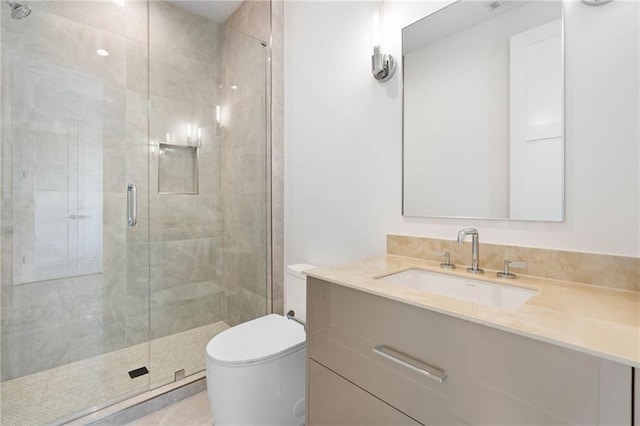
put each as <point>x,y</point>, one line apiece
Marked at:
<point>171,261</point>
<point>244,184</point>
<point>251,175</point>
<point>277,153</point>
<point>185,230</point>
<point>595,269</point>
<point>50,322</point>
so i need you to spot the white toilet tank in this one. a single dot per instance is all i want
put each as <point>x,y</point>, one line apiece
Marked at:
<point>295,290</point>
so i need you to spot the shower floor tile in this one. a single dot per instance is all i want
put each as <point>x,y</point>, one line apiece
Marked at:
<point>92,383</point>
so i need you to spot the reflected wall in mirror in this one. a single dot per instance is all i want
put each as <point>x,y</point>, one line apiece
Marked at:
<point>484,112</point>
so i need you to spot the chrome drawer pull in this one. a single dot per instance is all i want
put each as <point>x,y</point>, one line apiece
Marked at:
<point>430,371</point>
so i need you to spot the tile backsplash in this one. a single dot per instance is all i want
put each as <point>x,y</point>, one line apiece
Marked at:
<point>617,272</point>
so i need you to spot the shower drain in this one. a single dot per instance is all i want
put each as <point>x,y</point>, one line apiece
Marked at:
<point>138,372</point>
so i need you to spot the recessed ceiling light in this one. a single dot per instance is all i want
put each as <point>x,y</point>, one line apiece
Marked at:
<point>102,52</point>
<point>119,2</point>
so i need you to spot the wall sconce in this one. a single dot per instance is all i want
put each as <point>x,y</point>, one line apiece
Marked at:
<point>198,136</point>
<point>383,66</point>
<point>217,130</point>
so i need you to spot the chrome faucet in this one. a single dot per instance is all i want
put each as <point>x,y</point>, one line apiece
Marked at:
<point>475,250</point>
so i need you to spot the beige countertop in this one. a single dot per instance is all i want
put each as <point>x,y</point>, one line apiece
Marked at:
<point>599,321</point>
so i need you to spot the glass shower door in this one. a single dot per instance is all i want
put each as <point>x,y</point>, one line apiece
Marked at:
<point>75,278</point>
<point>208,195</point>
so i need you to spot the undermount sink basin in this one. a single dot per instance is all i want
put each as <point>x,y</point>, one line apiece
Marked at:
<point>462,288</point>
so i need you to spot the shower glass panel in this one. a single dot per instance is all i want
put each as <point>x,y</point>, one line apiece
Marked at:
<point>98,97</point>
<point>208,195</point>
<point>75,279</point>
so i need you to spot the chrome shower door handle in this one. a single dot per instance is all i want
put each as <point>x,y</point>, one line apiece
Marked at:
<point>132,205</point>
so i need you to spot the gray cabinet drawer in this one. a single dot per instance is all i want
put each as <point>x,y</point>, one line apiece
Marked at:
<point>343,328</point>
<point>335,401</point>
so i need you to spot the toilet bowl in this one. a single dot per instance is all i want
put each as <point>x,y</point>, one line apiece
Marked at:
<point>255,370</point>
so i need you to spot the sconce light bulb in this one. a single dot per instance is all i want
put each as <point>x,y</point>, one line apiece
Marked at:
<point>375,30</point>
<point>217,114</point>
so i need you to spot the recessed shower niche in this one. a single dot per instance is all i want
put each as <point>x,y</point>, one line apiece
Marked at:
<point>177,169</point>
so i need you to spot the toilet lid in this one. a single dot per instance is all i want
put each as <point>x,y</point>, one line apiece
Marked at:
<point>265,337</point>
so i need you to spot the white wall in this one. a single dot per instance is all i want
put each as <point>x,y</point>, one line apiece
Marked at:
<point>343,137</point>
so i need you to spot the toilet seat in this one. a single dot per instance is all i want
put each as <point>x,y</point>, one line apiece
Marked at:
<point>260,340</point>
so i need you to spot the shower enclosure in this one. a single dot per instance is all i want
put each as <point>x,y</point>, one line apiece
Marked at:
<point>135,199</point>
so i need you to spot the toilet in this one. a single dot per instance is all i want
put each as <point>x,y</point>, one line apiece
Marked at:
<point>255,370</point>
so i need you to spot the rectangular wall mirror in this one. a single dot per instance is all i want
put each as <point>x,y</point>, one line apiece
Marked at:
<point>483,112</point>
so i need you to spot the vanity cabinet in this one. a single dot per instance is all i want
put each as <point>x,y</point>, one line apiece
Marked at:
<point>492,376</point>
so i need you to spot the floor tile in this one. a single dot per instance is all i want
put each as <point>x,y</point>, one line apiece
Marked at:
<point>192,411</point>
